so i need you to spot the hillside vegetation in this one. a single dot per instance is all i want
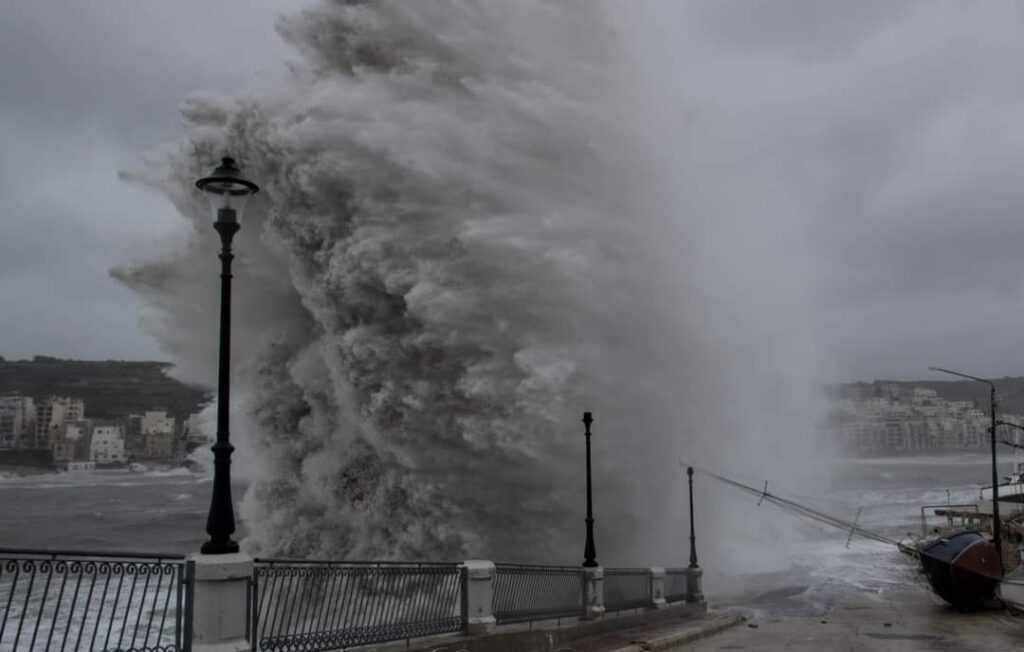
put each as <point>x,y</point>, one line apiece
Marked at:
<point>110,388</point>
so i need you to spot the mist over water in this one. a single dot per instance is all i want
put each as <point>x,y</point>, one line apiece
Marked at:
<point>475,223</point>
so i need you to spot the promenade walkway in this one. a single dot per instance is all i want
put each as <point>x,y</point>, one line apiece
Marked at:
<point>907,619</point>
<point>635,632</point>
<point>659,636</point>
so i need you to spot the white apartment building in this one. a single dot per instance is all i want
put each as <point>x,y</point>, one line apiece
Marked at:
<point>72,444</point>
<point>17,421</point>
<point>194,429</point>
<point>76,430</point>
<point>156,422</point>
<point>883,422</point>
<point>876,406</point>
<point>51,414</point>
<point>960,406</point>
<point>158,434</point>
<point>107,445</point>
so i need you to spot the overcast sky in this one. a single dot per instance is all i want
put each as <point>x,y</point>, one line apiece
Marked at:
<point>895,129</point>
<point>86,90</point>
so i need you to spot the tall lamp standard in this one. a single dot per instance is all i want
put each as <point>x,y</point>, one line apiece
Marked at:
<point>693,538</point>
<point>996,525</point>
<point>589,551</point>
<point>227,191</point>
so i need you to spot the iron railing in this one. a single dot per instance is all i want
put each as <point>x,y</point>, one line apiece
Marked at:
<point>627,588</point>
<point>308,606</point>
<point>676,583</point>
<point>526,593</point>
<point>87,602</point>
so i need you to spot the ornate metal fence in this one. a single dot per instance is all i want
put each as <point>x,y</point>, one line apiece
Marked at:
<point>676,580</point>
<point>523,593</point>
<point>307,606</point>
<point>82,601</point>
<point>627,588</point>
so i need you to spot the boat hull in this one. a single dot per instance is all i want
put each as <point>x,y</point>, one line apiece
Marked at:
<point>962,569</point>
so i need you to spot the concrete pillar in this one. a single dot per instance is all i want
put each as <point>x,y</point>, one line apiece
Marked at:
<point>479,597</point>
<point>220,602</point>
<point>593,593</point>
<point>693,585</point>
<point>658,588</point>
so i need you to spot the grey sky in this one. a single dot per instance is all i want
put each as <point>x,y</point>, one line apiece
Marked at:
<point>86,90</point>
<point>884,138</point>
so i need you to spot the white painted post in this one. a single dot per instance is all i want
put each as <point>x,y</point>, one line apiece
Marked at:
<point>693,585</point>
<point>220,602</point>
<point>658,588</point>
<point>593,593</point>
<point>479,596</point>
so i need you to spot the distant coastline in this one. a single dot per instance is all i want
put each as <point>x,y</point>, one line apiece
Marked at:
<point>112,389</point>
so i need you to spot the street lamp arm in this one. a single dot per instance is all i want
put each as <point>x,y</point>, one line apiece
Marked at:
<point>962,375</point>
<point>993,406</point>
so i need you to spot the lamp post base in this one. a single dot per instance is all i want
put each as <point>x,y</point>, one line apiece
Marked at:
<point>220,607</point>
<point>219,547</point>
<point>593,593</point>
<point>694,584</point>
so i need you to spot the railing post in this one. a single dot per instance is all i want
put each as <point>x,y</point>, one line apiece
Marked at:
<point>186,603</point>
<point>253,620</point>
<point>220,609</point>
<point>658,588</point>
<point>593,592</point>
<point>694,592</point>
<point>478,597</point>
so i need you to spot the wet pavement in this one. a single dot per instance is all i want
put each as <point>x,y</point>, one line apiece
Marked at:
<point>661,636</point>
<point>864,621</point>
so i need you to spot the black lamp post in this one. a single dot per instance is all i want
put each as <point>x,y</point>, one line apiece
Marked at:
<point>228,191</point>
<point>996,524</point>
<point>589,552</point>
<point>693,538</point>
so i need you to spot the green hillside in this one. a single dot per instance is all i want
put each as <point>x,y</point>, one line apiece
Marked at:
<point>110,388</point>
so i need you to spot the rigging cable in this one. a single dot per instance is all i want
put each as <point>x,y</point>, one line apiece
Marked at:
<point>800,510</point>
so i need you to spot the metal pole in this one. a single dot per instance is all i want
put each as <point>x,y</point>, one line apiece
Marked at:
<point>589,552</point>
<point>693,538</point>
<point>996,525</point>
<point>220,524</point>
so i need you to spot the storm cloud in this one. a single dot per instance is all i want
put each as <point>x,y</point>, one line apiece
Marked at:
<point>871,149</point>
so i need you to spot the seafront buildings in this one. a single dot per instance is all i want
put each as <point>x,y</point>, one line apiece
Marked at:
<point>863,418</point>
<point>51,415</point>
<point>106,445</point>
<point>152,435</point>
<point>57,428</point>
<point>17,421</point>
<point>889,418</point>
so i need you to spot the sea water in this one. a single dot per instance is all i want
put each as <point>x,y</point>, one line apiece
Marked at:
<point>814,566</point>
<point>166,512</point>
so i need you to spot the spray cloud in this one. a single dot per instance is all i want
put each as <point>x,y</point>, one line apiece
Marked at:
<point>470,230</point>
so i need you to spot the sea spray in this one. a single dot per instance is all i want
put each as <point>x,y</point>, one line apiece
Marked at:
<point>464,239</point>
